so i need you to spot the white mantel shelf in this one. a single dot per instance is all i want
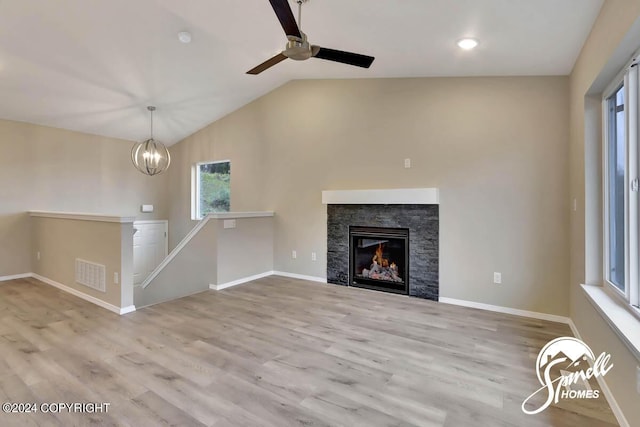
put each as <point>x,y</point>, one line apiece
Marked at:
<point>84,216</point>
<point>399,196</point>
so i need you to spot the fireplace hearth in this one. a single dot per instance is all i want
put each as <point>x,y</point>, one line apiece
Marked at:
<point>379,258</point>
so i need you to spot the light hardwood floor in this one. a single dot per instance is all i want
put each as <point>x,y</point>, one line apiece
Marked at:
<point>276,352</point>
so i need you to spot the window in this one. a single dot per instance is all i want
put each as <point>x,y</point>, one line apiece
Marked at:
<point>211,183</point>
<point>621,203</point>
<point>616,165</point>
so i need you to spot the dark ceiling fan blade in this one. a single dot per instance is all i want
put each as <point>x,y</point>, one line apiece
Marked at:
<point>267,64</point>
<point>285,16</point>
<point>356,59</point>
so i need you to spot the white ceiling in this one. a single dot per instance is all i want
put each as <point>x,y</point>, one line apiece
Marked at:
<point>94,66</point>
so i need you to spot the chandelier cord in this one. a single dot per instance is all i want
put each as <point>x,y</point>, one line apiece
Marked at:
<point>151,109</point>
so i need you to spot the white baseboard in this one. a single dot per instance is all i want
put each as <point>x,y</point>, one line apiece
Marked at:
<point>506,310</point>
<point>15,277</point>
<point>301,276</point>
<point>240,281</point>
<point>266,274</point>
<point>77,293</point>
<point>574,329</point>
<point>127,309</point>
<point>615,408</point>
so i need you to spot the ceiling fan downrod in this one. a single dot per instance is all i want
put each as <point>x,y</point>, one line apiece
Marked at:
<point>300,13</point>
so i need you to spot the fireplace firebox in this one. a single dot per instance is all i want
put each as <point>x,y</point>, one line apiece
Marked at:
<point>379,258</point>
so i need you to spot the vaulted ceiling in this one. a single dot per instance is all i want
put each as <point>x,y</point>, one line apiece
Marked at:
<point>94,66</point>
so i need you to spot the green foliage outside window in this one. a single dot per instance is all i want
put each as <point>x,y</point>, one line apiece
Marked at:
<point>215,181</point>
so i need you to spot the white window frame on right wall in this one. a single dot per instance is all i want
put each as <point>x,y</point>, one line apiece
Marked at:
<point>629,78</point>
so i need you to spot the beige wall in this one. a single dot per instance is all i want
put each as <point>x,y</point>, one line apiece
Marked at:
<point>496,147</point>
<point>611,42</point>
<point>50,169</point>
<point>244,251</point>
<point>61,241</point>
<point>240,140</point>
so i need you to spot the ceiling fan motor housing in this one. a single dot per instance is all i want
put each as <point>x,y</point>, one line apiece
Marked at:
<point>298,48</point>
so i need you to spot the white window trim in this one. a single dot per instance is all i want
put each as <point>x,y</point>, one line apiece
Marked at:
<point>195,187</point>
<point>619,309</point>
<point>611,90</point>
<point>632,92</point>
<point>630,80</point>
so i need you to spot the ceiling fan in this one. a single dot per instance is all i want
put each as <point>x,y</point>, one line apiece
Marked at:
<point>298,47</point>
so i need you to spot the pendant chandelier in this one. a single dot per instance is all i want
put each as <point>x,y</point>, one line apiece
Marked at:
<point>150,157</point>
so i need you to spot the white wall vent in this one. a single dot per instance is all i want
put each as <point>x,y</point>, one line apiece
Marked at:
<point>91,274</point>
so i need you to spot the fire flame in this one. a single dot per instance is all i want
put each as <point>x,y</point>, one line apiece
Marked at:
<point>377,258</point>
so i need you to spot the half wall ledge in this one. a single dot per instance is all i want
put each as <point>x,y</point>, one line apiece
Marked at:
<point>234,215</point>
<point>83,216</point>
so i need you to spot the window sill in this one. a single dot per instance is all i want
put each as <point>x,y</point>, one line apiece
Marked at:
<point>619,316</point>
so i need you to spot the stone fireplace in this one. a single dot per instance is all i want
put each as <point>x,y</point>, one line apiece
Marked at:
<point>392,247</point>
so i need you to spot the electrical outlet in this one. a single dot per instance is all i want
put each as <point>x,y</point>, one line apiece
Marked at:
<point>116,278</point>
<point>38,255</point>
<point>638,379</point>
<point>294,254</point>
<point>407,163</point>
<point>314,257</point>
<point>497,278</point>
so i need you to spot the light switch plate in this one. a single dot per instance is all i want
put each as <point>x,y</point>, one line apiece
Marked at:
<point>146,208</point>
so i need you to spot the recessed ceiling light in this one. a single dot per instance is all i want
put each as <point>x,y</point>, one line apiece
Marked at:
<point>467,44</point>
<point>184,36</point>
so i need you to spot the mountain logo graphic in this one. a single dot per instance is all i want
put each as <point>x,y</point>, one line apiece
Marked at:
<point>575,358</point>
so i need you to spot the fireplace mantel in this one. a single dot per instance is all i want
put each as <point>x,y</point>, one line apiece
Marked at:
<point>399,196</point>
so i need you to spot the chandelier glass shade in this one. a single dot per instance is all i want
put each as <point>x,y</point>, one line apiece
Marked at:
<point>150,157</point>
